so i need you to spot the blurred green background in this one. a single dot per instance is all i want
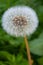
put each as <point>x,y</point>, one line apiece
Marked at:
<point>12,49</point>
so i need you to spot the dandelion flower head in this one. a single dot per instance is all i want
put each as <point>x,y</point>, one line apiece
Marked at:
<point>19,20</point>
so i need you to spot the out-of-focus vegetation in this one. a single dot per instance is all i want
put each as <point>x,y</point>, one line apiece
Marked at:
<point>12,49</point>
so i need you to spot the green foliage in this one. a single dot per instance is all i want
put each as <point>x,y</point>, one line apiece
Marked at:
<point>12,49</point>
<point>36,46</point>
<point>10,59</point>
<point>40,61</point>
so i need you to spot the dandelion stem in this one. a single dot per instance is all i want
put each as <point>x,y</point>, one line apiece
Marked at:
<point>30,61</point>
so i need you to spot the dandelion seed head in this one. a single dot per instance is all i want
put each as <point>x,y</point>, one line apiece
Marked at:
<point>20,20</point>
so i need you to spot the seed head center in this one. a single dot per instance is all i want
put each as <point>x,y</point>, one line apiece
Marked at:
<point>20,21</point>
